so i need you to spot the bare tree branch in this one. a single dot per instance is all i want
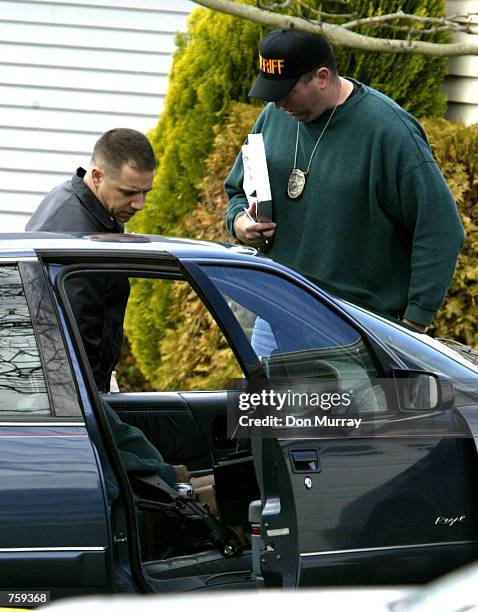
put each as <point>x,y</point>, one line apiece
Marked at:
<point>410,31</point>
<point>340,36</point>
<point>271,6</point>
<point>320,14</point>
<point>449,23</point>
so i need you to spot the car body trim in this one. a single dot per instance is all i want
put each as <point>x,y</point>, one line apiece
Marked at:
<point>52,424</point>
<point>9,260</point>
<point>381,548</point>
<point>56,549</point>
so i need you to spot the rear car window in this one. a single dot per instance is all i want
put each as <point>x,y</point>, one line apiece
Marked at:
<point>22,385</point>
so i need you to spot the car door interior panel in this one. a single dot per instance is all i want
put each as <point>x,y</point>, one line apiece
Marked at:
<point>188,427</point>
<point>168,422</point>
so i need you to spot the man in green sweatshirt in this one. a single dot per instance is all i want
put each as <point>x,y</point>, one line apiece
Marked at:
<point>358,200</point>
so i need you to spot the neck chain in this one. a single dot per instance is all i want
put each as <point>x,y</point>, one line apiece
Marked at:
<point>297,178</point>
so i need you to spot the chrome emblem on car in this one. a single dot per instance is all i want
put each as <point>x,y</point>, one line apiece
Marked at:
<point>449,521</point>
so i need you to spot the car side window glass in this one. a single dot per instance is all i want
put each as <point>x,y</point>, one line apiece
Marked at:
<point>22,385</point>
<point>416,354</point>
<point>158,336</point>
<point>179,347</point>
<point>295,335</point>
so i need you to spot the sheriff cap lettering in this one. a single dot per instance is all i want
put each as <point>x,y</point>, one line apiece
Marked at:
<point>284,56</point>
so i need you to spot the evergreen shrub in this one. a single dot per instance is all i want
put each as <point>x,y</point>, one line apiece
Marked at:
<point>455,147</point>
<point>177,343</point>
<point>215,63</point>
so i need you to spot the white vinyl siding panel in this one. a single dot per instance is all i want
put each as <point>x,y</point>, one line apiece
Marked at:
<point>70,70</point>
<point>461,84</point>
<point>117,102</point>
<point>37,182</point>
<point>98,38</point>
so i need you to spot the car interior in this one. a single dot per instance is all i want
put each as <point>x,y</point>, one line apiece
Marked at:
<point>182,545</point>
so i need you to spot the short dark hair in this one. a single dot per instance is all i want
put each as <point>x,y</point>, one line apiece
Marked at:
<point>330,63</point>
<point>124,146</point>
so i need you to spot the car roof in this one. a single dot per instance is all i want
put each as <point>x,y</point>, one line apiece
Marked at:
<point>26,244</point>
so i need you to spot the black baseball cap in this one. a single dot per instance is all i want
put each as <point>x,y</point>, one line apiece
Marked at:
<point>284,56</point>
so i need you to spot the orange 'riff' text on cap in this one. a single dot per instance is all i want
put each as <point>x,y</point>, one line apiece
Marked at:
<point>271,66</point>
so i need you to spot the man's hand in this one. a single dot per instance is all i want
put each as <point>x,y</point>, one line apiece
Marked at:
<point>182,473</point>
<point>250,232</point>
<point>417,326</point>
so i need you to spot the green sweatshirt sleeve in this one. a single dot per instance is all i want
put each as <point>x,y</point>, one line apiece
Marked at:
<point>431,215</point>
<point>136,451</point>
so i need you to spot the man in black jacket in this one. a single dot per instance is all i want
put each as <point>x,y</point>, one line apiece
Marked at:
<point>100,200</point>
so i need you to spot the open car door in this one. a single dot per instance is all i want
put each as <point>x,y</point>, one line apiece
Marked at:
<point>363,486</point>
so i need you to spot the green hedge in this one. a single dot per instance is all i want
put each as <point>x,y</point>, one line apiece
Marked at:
<point>181,347</point>
<point>455,147</point>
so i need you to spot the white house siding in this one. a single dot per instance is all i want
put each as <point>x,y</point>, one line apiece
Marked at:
<point>70,70</point>
<point>461,84</point>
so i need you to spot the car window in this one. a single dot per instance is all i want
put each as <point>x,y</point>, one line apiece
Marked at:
<point>178,344</point>
<point>170,342</point>
<point>22,385</point>
<point>420,352</point>
<point>295,335</point>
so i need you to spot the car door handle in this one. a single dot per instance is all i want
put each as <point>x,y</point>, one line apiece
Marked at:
<point>304,461</point>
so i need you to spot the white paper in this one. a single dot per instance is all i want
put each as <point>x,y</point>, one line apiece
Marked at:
<point>256,176</point>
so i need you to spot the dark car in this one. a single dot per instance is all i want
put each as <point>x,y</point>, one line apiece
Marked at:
<point>392,500</point>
